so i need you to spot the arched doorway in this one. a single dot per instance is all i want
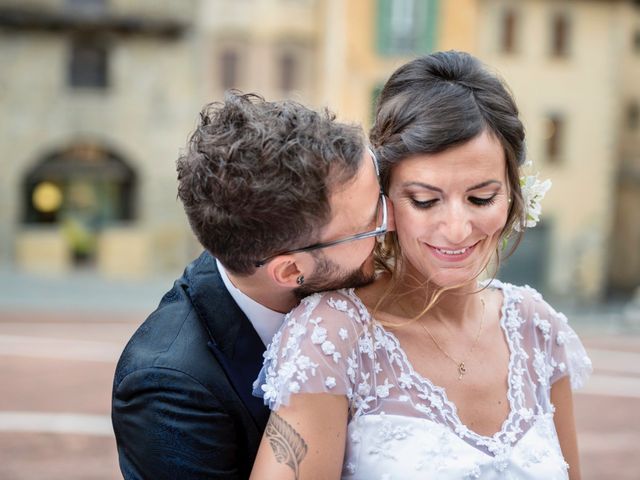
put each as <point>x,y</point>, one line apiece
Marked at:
<point>80,189</point>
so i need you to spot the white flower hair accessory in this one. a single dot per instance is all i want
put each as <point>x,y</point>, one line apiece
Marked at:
<point>533,191</point>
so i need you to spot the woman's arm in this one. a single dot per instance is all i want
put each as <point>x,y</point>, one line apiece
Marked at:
<point>304,440</point>
<point>562,399</point>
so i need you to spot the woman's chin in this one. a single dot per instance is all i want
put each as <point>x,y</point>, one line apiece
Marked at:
<point>462,275</point>
<point>455,277</point>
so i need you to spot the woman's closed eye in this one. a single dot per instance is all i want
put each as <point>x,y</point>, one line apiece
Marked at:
<point>427,203</point>
<point>478,201</point>
<point>483,201</point>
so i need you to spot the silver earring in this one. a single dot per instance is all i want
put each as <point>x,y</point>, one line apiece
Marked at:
<point>300,280</point>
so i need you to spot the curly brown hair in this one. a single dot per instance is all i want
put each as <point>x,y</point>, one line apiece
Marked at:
<point>256,176</point>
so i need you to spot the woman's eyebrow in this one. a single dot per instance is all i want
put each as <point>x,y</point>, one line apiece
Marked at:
<point>422,185</point>
<point>486,183</point>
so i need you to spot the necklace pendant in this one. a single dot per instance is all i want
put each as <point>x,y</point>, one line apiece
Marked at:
<point>461,370</point>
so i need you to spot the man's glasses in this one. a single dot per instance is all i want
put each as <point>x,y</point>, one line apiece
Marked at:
<point>381,229</point>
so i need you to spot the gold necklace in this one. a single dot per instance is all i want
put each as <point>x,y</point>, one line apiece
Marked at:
<point>460,365</point>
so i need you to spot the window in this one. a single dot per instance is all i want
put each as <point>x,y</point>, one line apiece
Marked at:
<point>508,32</point>
<point>560,35</point>
<point>554,137</point>
<point>88,8</point>
<point>288,70</point>
<point>93,5</point>
<point>229,61</point>
<point>88,66</point>
<point>633,116</point>
<point>406,26</point>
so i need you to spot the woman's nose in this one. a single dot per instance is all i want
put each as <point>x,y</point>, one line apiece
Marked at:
<point>456,226</point>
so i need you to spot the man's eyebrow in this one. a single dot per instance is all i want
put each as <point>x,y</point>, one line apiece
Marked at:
<point>439,190</point>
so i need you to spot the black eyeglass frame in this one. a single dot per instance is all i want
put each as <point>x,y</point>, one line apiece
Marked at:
<point>380,230</point>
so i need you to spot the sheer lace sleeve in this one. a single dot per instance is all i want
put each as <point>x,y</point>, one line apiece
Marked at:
<point>315,351</point>
<point>557,349</point>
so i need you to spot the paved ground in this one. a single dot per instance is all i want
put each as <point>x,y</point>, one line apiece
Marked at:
<point>58,363</point>
<point>608,409</point>
<point>54,410</point>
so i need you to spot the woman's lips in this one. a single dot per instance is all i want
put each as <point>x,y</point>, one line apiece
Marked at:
<point>452,255</point>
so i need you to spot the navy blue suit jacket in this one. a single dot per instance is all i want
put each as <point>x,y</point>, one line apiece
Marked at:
<point>182,406</point>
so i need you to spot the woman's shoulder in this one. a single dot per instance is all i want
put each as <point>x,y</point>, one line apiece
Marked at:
<point>523,295</point>
<point>553,346</point>
<point>339,305</point>
<point>323,320</point>
<point>313,350</point>
<point>524,305</point>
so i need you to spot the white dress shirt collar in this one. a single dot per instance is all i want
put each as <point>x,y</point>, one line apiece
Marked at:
<point>264,320</point>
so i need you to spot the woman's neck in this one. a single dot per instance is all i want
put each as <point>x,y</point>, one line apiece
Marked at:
<point>409,295</point>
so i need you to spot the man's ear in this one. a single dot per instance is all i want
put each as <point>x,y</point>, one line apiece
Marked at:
<point>285,270</point>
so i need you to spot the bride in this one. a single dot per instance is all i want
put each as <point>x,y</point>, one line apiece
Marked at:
<point>430,372</point>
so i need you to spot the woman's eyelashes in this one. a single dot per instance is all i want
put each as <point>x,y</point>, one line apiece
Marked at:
<point>481,202</point>
<point>423,203</point>
<point>477,201</point>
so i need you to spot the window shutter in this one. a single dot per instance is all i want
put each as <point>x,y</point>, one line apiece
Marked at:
<point>428,33</point>
<point>383,26</point>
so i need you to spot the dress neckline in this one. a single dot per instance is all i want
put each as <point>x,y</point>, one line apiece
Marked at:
<point>514,389</point>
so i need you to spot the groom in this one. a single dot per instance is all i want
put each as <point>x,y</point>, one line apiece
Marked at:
<point>286,202</point>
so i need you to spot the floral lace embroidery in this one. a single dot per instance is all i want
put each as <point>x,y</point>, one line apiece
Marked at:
<point>387,433</point>
<point>287,368</point>
<point>543,325</point>
<point>436,402</point>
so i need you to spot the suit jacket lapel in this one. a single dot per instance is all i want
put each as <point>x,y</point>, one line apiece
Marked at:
<point>243,369</point>
<point>233,340</point>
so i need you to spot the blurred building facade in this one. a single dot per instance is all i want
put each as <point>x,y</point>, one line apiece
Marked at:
<point>264,46</point>
<point>376,37</point>
<point>96,97</point>
<point>573,67</point>
<point>109,89</point>
<point>624,266</point>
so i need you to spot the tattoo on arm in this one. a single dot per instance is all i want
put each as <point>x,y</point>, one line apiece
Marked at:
<point>287,445</point>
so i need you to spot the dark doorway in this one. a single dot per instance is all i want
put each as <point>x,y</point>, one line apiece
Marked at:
<point>528,265</point>
<point>81,189</point>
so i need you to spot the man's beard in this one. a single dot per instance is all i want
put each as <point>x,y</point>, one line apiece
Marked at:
<point>328,276</point>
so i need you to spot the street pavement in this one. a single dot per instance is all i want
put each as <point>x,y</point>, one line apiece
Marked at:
<point>60,341</point>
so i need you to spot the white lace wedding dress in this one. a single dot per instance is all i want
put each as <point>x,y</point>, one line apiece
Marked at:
<point>402,426</point>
